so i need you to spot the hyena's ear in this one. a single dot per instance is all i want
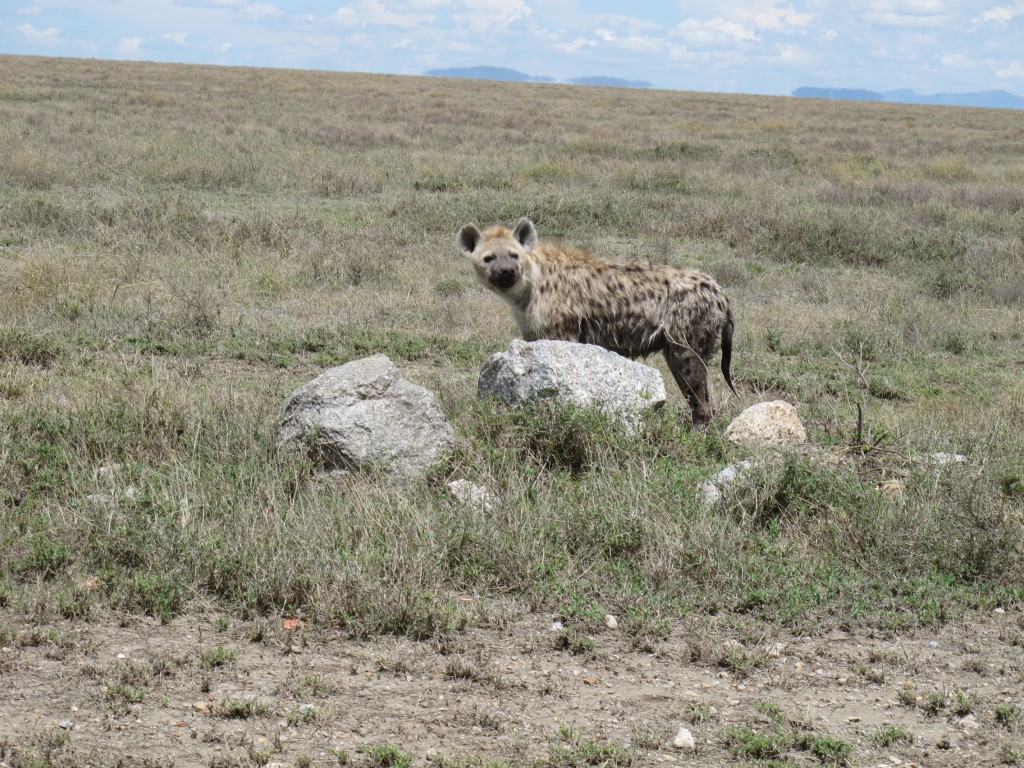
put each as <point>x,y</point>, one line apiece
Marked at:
<point>468,239</point>
<point>525,233</point>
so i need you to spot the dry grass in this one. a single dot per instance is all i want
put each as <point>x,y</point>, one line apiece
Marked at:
<point>180,247</point>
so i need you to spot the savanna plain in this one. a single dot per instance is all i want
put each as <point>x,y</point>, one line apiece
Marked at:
<point>181,247</point>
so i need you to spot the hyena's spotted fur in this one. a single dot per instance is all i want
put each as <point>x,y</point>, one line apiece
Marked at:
<point>565,293</point>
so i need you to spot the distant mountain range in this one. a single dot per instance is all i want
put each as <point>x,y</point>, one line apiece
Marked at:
<point>998,99</point>
<point>501,73</point>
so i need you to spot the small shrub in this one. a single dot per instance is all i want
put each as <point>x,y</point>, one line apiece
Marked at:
<point>1007,715</point>
<point>28,349</point>
<point>386,756</point>
<point>891,736</point>
<point>575,642</point>
<point>233,708</point>
<point>217,657</point>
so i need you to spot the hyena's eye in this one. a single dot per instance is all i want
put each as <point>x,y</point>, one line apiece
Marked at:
<point>514,256</point>
<point>488,259</point>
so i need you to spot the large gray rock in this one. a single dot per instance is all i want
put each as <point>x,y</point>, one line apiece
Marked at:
<point>581,374</point>
<point>364,414</point>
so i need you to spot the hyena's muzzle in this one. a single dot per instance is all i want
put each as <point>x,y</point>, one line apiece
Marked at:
<point>503,270</point>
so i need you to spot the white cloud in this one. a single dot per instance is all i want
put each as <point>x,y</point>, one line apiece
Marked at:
<point>957,61</point>
<point>640,44</point>
<point>483,15</point>
<point>346,17</point>
<point>712,31</point>
<point>129,46</point>
<point>793,55</point>
<point>1009,71</point>
<point>1003,13</point>
<point>577,45</point>
<point>725,22</point>
<point>262,10</point>
<point>32,10</point>
<point>407,15</point>
<point>775,19</point>
<point>909,13</point>
<point>681,53</point>
<point>48,36</point>
<point>177,37</point>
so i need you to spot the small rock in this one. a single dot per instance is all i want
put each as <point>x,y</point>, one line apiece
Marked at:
<point>105,473</point>
<point>200,706</point>
<point>474,496</point>
<point>969,723</point>
<point>711,491</point>
<point>933,643</point>
<point>610,622</point>
<point>774,650</point>
<point>999,611</point>
<point>772,423</point>
<point>943,459</point>
<point>891,489</point>
<point>556,626</point>
<point>67,725</point>
<point>684,740</point>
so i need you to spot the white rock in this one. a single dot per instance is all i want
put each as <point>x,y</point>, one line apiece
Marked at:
<point>105,474</point>
<point>772,423</point>
<point>942,459</point>
<point>712,491</point>
<point>474,496</point>
<point>684,740</point>
<point>580,374</point>
<point>610,622</point>
<point>364,414</point>
<point>969,723</point>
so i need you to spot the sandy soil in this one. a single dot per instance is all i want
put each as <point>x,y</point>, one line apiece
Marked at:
<point>214,694</point>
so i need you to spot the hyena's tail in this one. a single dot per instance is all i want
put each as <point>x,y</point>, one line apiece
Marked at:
<point>727,348</point>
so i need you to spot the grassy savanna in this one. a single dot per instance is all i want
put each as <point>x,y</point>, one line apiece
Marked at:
<point>181,247</point>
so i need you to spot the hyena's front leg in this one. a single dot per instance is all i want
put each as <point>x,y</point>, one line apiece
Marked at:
<point>691,374</point>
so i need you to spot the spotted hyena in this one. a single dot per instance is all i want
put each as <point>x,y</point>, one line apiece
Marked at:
<point>634,309</point>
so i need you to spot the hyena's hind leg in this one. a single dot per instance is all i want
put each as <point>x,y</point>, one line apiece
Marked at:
<point>691,374</point>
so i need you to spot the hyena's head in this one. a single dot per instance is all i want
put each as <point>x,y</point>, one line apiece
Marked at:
<point>499,256</point>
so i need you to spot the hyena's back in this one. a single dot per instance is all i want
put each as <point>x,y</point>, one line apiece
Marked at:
<point>632,309</point>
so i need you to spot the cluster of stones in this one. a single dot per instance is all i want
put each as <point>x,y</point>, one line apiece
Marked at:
<point>366,415</point>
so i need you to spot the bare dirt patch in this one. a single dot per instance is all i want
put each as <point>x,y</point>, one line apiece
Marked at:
<point>204,691</point>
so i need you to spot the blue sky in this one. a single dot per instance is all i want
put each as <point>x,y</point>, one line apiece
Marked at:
<point>760,46</point>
